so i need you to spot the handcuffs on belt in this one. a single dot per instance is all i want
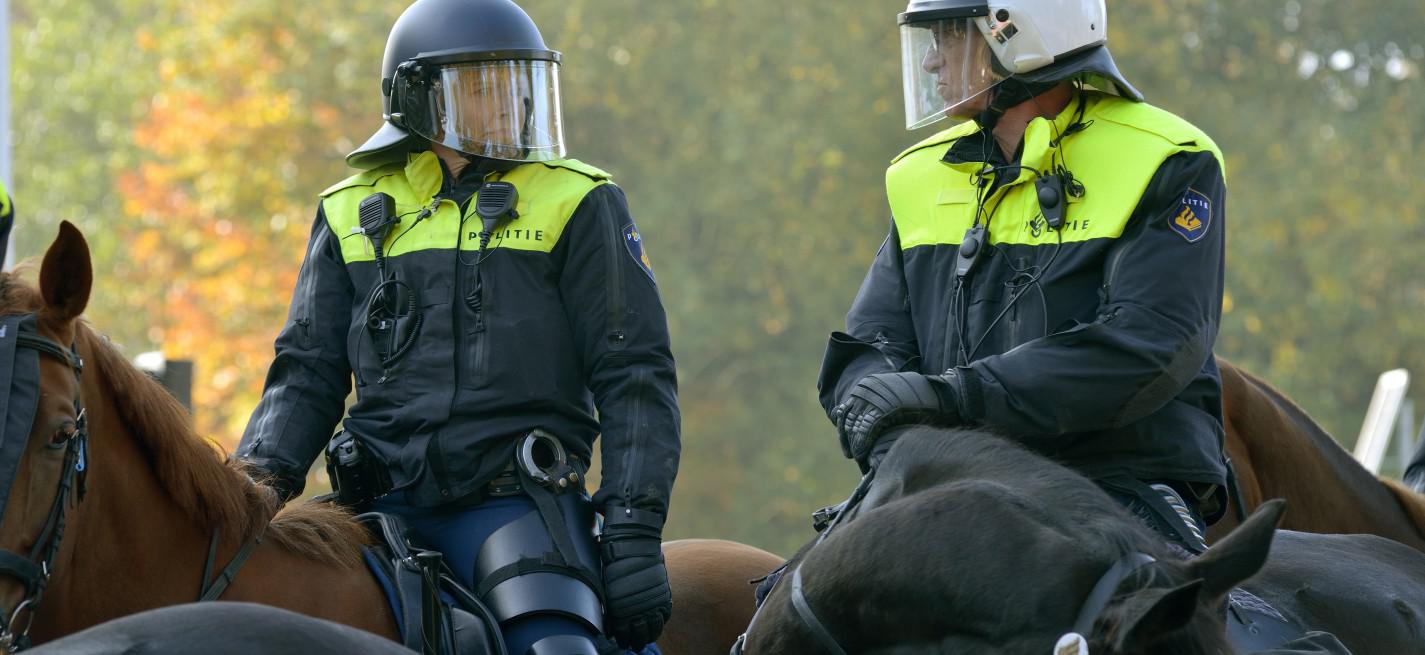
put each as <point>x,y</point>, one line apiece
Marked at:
<point>542,457</point>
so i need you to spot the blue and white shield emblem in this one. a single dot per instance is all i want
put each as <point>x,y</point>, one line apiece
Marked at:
<point>633,241</point>
<point>1192,217</point>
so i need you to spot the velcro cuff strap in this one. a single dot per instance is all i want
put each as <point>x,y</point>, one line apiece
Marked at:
<point>620,549</point>
<point>615,517</point>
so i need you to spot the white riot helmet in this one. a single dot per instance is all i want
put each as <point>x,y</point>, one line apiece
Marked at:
<point>955,52</point>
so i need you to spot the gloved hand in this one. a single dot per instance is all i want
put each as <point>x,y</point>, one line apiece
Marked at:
<point>637,598</point>
<point>885,400</point>
<point>286,488</point>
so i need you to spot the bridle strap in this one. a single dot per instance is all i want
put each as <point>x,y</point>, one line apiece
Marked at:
<point>1103,590</point>
<point>43,345</point>
<point>803,608</point>
<point>20,567</point>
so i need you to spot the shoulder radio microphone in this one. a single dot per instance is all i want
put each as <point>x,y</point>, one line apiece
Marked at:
<point>376,214</point>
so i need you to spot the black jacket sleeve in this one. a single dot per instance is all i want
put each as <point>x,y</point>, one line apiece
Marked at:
<point>622,332</point>
<point>879,337</point>
<point>1156,324</point>
<point>310,377</point>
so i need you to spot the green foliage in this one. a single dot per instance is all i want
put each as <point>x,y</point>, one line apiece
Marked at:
<point>751,137</point>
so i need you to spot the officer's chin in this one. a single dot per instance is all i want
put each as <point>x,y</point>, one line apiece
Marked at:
<point>969,108</point>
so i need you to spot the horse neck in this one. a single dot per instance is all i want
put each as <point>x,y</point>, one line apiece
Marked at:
<point>126,534</point>
<point>1293,457</point>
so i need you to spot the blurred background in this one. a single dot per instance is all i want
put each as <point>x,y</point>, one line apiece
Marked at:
<point>188,139</point>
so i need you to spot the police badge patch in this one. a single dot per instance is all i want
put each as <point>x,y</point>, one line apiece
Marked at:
<point>634,243</point>
<point>1192,217</point>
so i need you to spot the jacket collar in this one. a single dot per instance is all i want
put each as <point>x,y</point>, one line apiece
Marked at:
<point>424,173</point>
<point>971,152</point>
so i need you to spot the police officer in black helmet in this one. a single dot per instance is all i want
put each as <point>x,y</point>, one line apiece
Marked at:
<point>492,301</point>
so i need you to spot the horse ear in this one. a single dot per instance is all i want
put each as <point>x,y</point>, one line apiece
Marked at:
<point>1241,554</point>
<point>67,275</point>
<point>1155,613</point>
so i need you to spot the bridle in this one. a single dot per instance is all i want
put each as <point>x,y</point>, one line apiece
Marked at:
<point>1071,643</point>
<point>34,569</point>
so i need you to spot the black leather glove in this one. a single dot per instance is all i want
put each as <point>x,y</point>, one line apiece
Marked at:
<point>885,400</point>
<point>637,598</point>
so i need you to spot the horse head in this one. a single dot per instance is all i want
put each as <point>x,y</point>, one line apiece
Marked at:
<point>968,543</point>
<point>42,451</point>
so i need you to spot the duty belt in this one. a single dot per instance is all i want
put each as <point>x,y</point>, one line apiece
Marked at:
<point>541,457</point>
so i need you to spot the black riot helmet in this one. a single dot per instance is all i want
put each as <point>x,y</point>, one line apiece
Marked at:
<point>474,75</point>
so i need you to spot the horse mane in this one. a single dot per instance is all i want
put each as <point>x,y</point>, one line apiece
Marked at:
<point>217,495</point>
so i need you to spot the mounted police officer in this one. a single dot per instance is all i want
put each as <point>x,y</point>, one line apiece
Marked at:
<point>1054,268</point>
<point>1054,271</point>
<point>494,305</point>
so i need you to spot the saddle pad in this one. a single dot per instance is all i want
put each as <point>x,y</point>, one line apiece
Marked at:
<point>377,564</point>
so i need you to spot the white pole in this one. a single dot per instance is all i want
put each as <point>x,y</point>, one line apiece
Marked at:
<point>1405,436</point>
<point>1380,418</point>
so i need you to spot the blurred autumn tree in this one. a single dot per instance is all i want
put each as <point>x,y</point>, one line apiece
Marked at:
<point>189,140</point>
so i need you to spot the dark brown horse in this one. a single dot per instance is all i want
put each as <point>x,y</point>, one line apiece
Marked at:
<point>1280,452</point>
<point>156,494</point>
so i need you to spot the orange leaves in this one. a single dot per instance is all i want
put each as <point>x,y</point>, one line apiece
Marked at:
<point>228,157</point>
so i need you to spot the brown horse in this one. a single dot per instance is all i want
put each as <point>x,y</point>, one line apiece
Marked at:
<point>155,494</point>
<point>1278,451</point>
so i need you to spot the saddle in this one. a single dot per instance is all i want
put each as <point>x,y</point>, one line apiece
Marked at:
<point>434,613</point>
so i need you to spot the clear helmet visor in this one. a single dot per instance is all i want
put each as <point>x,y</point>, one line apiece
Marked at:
<point>947,69</point>
<point>498,109</point>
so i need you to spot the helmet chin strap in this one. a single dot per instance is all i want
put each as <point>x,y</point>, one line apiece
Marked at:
<point>483,166</point>
<point>1009,94</point>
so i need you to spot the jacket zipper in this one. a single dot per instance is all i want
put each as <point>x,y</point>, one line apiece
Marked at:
<point>630,458</point>
<point>616,334</point>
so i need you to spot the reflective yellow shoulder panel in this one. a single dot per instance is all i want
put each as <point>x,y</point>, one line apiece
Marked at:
<point>577,166</point>
<point>1115,159</point>
<point>1167,125</point>
<point>549,193</point>
<point>364,178</point>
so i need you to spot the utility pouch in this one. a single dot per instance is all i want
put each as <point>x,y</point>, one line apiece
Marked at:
<point>357,477</point>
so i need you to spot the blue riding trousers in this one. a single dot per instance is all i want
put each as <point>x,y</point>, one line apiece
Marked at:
<point>458,533</point>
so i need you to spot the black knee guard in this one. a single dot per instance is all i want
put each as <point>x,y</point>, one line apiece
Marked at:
<point>520,571</point>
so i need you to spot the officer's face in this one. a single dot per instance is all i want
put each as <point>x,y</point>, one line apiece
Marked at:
<point>958,58</point>
<point>484,107</point>
<point>492,114</point>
